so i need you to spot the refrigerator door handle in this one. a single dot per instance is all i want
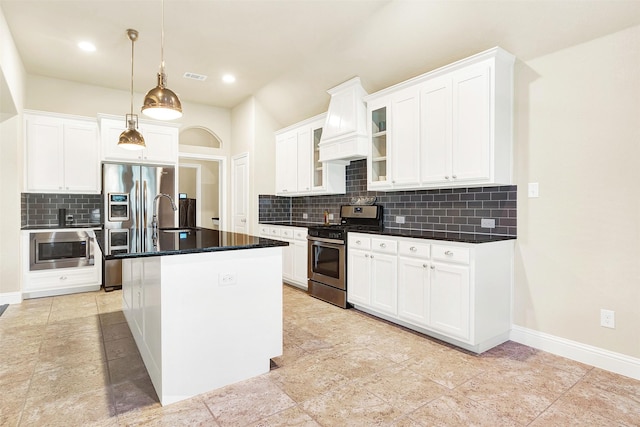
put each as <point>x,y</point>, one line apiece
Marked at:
<point>137,199</point>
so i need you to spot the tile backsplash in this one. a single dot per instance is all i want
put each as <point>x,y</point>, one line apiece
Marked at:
<point>42,208</point>
<point>456,210</point>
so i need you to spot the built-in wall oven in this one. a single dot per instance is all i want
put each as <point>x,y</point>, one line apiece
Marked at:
<point>327,266</point>
<point>60,249</point>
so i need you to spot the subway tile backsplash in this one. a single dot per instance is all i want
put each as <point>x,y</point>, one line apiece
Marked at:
<point>456,210</point>
<point>42,208</point>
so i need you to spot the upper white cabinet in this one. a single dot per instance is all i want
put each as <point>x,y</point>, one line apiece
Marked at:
<point>61,154</point>
<point>395,140</point>
<point>161,142</point>
<point>450,127</point>
<point>299,170</point>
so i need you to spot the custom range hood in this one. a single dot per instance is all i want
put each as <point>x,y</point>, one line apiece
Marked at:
<point>344,135</point>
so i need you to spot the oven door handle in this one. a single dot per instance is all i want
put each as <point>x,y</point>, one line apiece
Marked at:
<point>313,240</point>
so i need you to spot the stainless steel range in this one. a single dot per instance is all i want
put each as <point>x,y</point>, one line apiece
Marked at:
<point>327,266</point>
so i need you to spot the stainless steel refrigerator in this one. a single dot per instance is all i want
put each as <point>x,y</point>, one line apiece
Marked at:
<point>128,192</point>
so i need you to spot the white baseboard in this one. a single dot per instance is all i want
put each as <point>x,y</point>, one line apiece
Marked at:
<point>10,298</point>
<point>594,356</point>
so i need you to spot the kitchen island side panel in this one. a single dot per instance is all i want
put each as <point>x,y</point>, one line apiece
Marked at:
<point>221,319</point>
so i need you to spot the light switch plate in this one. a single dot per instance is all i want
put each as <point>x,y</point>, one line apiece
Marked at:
<point>533,190</point>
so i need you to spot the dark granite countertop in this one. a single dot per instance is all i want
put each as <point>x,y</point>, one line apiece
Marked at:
<point>59,227</point>
<point>442,235</point>
<point>195,240</point>
<point>416,234</point>
<point>302,224</point>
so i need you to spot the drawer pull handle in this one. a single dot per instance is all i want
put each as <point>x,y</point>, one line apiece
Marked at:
<point>383,245</point>
<point>358,242</point>
<point>424,265</point>
<point>448,253</point>
<point>366,255</point>
<point>63,277</point>
<point>413,249</point>
<point>433,267</point>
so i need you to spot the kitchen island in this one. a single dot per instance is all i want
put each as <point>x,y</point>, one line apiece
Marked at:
<point>204,307</point>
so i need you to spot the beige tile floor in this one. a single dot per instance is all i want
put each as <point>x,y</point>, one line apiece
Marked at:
<point>71,361</point>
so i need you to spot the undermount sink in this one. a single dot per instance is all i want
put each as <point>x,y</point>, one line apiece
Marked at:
<point>178,230</point>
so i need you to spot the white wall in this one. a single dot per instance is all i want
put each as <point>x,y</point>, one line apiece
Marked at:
<point>577,133</point>
<point>253,132</point>
<point>63,96</point>
<point>12,77</point>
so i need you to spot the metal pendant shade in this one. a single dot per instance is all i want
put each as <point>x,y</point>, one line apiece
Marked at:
<point>131,139</point>
<point>161,103</point>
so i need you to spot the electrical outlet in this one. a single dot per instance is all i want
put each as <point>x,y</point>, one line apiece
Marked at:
<point>608,318</point>
<point>227,279</point>
<point>305,216</point>
<point>330,216</point>
<point>400,219</point>
<point>488,223</point>
<point>533,190</point>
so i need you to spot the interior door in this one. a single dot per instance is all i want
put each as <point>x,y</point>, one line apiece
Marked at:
<point>240,193</point>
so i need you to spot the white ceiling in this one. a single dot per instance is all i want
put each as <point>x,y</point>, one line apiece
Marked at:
<point>287,53</point>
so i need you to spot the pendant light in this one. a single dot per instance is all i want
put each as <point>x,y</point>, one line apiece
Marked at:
<point>161,103</point>
<point>131,139</point>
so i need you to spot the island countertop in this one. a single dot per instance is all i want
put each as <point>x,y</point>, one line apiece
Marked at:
<point>176,242</point>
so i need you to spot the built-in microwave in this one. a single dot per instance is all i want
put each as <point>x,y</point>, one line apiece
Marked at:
<point>61,249</point>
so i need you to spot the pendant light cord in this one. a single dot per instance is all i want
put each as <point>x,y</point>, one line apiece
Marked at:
<point>132,44</point>
<point>162,40</point>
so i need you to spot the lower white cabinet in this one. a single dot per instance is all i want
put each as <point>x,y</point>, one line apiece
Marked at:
<point>294,256</point>
<point>59,281</point>
<point>456,292</point>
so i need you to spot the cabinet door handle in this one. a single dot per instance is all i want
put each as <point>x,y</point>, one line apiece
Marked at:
<point>433,267</point>
<point>383,245</point>
<point>448,253</point>
<point>413,249</point>
<point>446,177</point>
<point>454,177</point>
<point>371,256</point>
<point>63,277</point>
<point>424,265</point>
<point>358,242</point>
<point>366,255</point>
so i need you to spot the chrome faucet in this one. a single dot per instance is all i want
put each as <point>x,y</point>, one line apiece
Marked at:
<point>154,220</point>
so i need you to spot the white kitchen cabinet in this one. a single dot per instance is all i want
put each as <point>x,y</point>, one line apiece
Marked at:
<point>359,270</point>
<point>161,142</point>
<point>458,127</point>
<point>294,256</point>
<point>394,161</point>
<point>58,281</point>
<point>456,292</point>
<point>372,273</point>
<point>298,167</point>
<point>414,272</point>
<point>62,154</point>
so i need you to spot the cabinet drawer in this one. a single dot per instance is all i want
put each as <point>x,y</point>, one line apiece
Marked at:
<point>300,233</point>
<point>286,233</point>
<point>414,249</point>
<point>384,245</point>
<point>61,278</point>
<point>450,254</point>
<point>359,242</point>
<point>274,232</point>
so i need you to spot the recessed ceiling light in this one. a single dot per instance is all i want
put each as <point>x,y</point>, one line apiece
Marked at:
<point>87,46</point>
<point>228,78</point>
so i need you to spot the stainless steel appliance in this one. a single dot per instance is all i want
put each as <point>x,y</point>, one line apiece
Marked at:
<point>327,266</point>
<point>60,249</point>
<point>130,192</point>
